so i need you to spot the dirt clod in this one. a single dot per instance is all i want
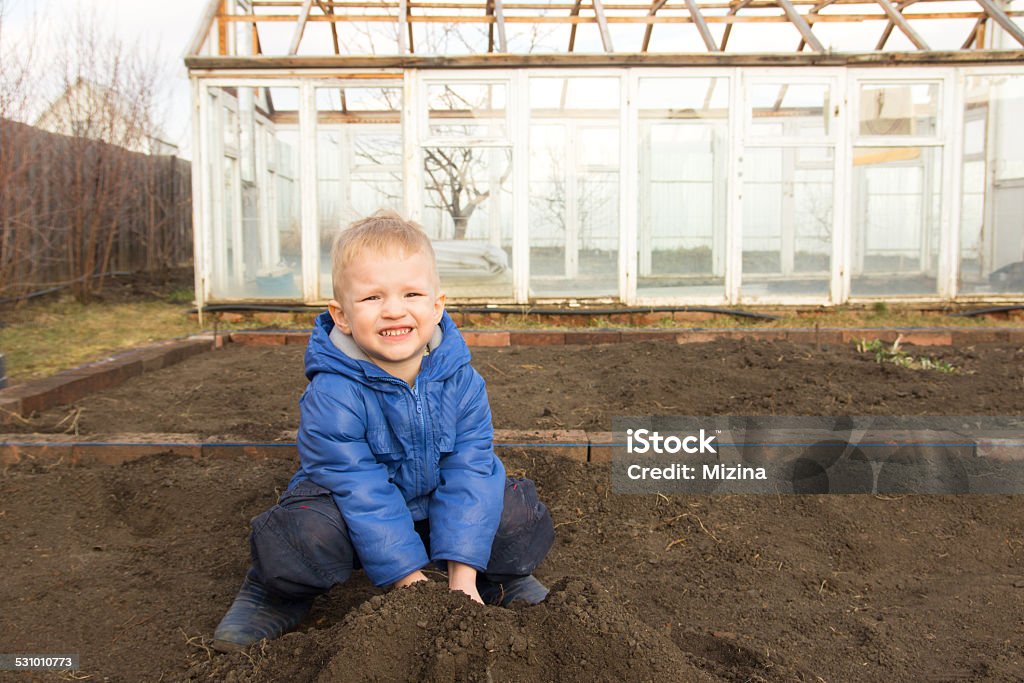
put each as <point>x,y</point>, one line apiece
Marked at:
<point>580,633</point>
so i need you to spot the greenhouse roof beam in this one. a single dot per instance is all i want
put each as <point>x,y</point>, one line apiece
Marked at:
<point>574,12</point>
<point>702,26</point>
<point>404,47</point>
<point>574,18</point>
<point>205,24</point>
<point>801,24</point>
<point>212,38</point>
<point>889,25</point>
<point>814,11</point>
<point>494,8</point>
<point>300,27</point>
<point>733,11</point>
<point>220,65</point>
<point>976,36</point>
<point>329,9</point>
<point>655,6</point>
<point>896,17</point>
<point>1001,18</point>
<point>602,25</point>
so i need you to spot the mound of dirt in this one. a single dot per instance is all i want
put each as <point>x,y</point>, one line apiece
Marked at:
<point>426,632</point>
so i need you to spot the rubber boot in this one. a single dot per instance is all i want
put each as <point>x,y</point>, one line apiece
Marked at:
<point>526,588</point>
<point>256,614</point>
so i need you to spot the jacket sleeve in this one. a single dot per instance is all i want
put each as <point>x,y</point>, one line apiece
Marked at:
<point>465,508</point>
<point>334,453</point>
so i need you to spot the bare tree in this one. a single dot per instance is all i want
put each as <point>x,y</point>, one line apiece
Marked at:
<point>72,200</point>
<point>455,178</point>
<point>19,252</point>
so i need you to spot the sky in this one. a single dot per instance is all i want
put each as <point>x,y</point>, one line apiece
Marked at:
<point>164,27</point>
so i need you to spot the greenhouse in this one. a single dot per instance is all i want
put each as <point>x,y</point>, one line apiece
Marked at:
<point>665,153</point>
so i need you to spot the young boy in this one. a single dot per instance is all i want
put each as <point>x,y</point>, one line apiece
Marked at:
<point>397,467</point>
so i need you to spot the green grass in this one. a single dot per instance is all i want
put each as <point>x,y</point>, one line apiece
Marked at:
<point>43,338</point>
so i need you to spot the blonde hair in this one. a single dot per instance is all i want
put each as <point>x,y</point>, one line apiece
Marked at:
<point>382,232</point>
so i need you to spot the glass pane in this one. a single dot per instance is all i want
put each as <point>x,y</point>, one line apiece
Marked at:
<point>256,230</point>
<point>896,204</point>
<point>230,119</point>
<point>283,101</point>
<point>232,268</point>
<point>681,98</point>
<point>899,109</point>
<point>683,157</point>
<point>468,215</point>
<point>359,161</point>
<point>364,100</point>
<point>283,234</point>
<point>787,221</point>
<point>790,110</point>
<point>991,243</point>
<point>552,96</point>
<point>467,109</point>
<point>574,187</point>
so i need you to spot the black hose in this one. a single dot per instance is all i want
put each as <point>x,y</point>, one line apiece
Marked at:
<point>517,310</point>
<point>984,311</point>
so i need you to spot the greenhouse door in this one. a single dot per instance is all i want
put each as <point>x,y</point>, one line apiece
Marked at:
<point>683,162</point>
<point>903,216</point>
<point>789,203</point>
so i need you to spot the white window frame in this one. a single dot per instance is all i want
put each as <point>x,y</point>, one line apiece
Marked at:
<point>632,295</point>
<point>835,78</point>
<point>949,122</point>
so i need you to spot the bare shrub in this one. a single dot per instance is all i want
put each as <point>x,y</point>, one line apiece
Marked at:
<point>92,195</point>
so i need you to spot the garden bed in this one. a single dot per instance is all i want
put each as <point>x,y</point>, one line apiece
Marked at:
<point>250,393</point>
<point>131,566</point>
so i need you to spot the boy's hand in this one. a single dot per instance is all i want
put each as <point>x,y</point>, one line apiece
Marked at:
<point>462,577</point>
<point>409,580</point>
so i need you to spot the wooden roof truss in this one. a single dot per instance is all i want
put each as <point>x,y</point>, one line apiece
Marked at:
<point>496,16</point>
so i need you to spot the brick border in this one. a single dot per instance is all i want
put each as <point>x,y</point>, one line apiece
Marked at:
<point>67,386</point>
<point>582,318</point>
<point>576,445</point>
<point>915,336</point>
<point>121,448</point>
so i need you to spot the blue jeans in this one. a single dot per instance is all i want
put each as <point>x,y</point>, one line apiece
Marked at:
<point>301,546</point>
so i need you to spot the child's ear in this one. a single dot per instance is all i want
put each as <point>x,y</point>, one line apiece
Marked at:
<point>439,306</point>
<point>338,316</point>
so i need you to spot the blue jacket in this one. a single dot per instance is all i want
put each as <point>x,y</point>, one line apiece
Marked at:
<point>393,454</point>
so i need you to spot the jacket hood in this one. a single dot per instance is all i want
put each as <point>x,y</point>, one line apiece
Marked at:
<point>323,355</point>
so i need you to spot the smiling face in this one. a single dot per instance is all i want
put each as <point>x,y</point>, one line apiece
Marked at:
<point>390,303</point>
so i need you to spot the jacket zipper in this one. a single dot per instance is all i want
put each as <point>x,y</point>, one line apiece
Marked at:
<point>421,474</point>
<point>423,426</point>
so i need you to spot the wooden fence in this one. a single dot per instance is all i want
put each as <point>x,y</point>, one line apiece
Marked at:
<point>74,209</point>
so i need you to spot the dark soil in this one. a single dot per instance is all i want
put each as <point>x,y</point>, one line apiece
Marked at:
<point>428,633</point>
<point>132,566</point>
<point>251,393</point>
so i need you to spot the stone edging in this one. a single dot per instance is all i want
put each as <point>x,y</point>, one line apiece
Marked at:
<point>917,336</point>
<point>577,445</point>
<point>20,401</point>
